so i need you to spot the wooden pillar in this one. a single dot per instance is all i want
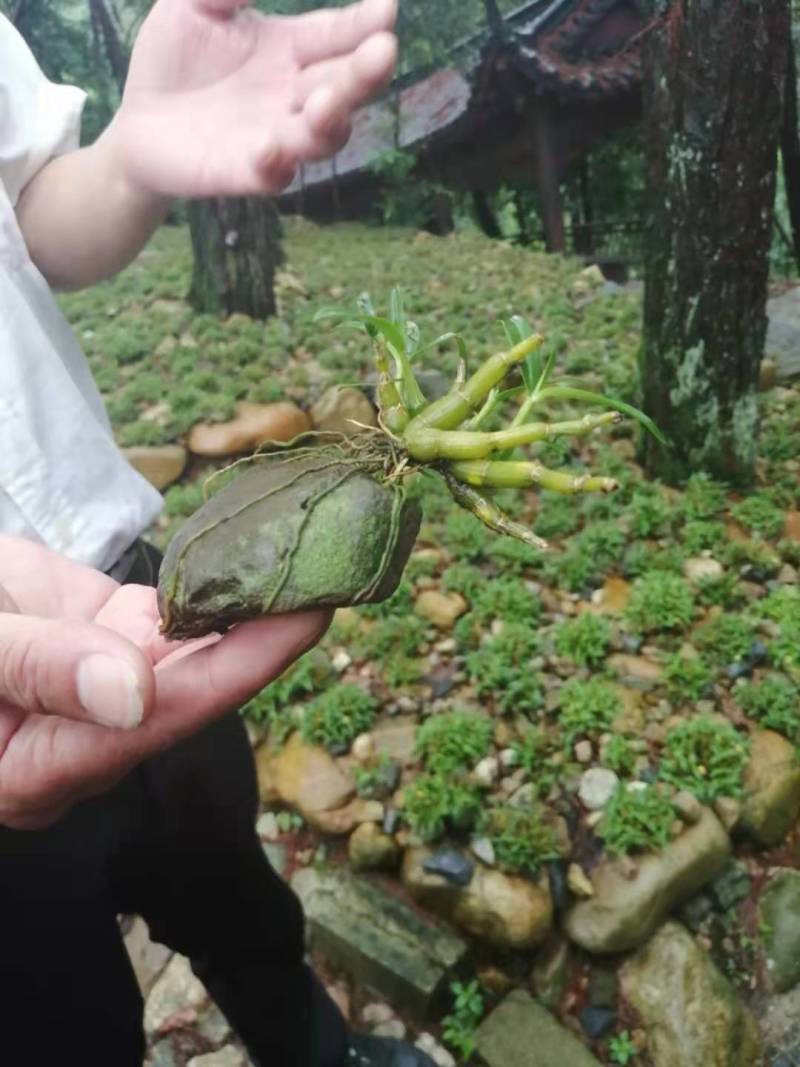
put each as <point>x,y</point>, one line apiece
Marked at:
<point>546,174</point>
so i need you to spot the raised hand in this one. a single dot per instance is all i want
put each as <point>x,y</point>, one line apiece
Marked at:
<point>88,688</point>
<point>222,100</point>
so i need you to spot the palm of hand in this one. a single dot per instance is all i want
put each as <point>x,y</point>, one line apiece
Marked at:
<point>52,614</point>
<point>220,104</point>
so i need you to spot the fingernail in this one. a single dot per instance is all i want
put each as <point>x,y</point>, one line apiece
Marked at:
<point>109,692</point>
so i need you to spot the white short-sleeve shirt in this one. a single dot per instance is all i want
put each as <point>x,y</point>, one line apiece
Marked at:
<point>63,481</point>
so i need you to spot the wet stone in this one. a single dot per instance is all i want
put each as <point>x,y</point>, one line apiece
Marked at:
<point>450,864</point>
<point>377,938</point>
<point>521,1033</point>
<point>597,1022</point>
<point>732,886</point>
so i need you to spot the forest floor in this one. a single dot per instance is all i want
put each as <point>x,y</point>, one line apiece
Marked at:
<point>552,752</point>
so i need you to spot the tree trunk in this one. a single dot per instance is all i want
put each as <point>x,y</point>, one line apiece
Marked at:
<point>237,248</point>
<point>713,93</point>
<point>790,150</point>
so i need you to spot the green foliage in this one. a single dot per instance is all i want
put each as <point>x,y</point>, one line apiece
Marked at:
<point>774,703</point>
<point>463,578</point>
<point>183,500</point>
<point>433,802</point>
<point>758,514</point>
<point>587,708</point>
<point>453,741</point>
<point>458,1028</point>
<point>660,600</point>
<point>724,592</point>
<point>621,1049</point>
<point>702,535</point>
<point>636,820</point>
<point>392,643</point>
<point>272,706</point>
<point>557,516</point>
<point>726,639</point>
<point>642,558</point>
<point>521,839</point>
<point>338,716</point>
<point>618,755</point>
<point>531,752</point>
<point>584,640</point>
<point>377,779</point>
<point>703,498</point>
<point>785,648</point>
<point>705,756</point>
<point>465,536</point>
<point>400,603</point>
<point>406,198</point>
<point>649,512</point>
<point>688,678</point>
<point>501,669</point>
<point>782,605</point>
<point>753,554</point>
<point>507,599</point>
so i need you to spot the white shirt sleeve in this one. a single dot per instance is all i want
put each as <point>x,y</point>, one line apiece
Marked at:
<point>38,119</point>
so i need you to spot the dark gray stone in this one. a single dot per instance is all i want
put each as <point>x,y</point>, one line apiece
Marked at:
<point>450,864</point>
<point>732,886</point>
<point>379,939</point>
<point>597,1022</point>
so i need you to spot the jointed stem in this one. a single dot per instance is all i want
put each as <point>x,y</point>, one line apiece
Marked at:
<point>508,474</point>
<point>427,445</point>
<point>392,413</point>
<point>490,514</point>
<point>462,400</point>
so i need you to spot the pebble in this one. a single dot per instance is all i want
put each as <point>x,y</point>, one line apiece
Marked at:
<point>578,882</point>
<point>483,849</point>
<point>688,807</point>
<point>597,787</point>
<point>391,1028</point>
<point>488,770</point>
<point>728,810</point>
<point>363,747</point>
<point>583,751</point>
<point>267,826</point>
<point>375,1013</point>
<point>440,1056</point>
<point>450,864</point>
<point>341,661</point>
<point>508,758</point>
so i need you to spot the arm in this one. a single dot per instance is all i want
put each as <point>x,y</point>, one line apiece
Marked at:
<point>219,101</point>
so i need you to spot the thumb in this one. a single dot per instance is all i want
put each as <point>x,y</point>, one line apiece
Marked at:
<point>73,669</point>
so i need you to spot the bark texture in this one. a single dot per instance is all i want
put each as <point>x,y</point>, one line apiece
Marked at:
<point>714,82</point>
<point>237,249</point>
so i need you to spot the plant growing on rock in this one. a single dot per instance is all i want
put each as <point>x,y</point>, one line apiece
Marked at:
<point>726,639</point>
<point>532,754</point>
<point>338,716</point>
<point>705,756</point>
<point>660,601</point>
<point>774,703</point>
<point>688,678</point>
<point>501,670</point>
<point>453,741</point>
<point>587,709</point>
<point>521,838</point>
<point>433,803</point>
<point>621,1049</point>
<point>333,525</point>
<point>584,640</point>
<point>758,514</point>
<point>618,755</point>
<point>636,820</point>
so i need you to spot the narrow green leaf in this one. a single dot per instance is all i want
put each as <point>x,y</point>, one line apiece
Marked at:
<point>444,339</point>
<point>396,310</point>
<point>567,392</point>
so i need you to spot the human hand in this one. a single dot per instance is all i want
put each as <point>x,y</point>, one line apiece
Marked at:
<point>88,687</point>
<point>223,101</point>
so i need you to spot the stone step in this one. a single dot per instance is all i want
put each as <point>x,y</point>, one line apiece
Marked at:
<point>386,945</point>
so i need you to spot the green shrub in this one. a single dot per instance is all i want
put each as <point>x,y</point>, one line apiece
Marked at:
<point>618,755</point>
<point>458,1028</point>
<point>521,839</point>
<point>706,757</point>
<point>433,803</point>
<point>636,820</point>
<point>688,677</point>
<point>401,603</point>
<point>642,558</point>
<point>782,605</point>
<point>453,741</point>
<point>753,554</point>
<point>463,578</point>
<point>703,498</point>
<point>393,643</point>
<point>621,1049</point>
<point>702,535</point>
<point>501,669</point>
<point>587,709</point>
<point>649,513</point>
<point>584,640</point>
<point>725,639</point>
<point>759,515</point>
<point>774,703</point>
<point>338,716</point>
<point>660,600</point>
<point>465,536</point>
<point>532,752</point>
<point>557,516</point>
<point>272,706</point>
<point>784,649</point>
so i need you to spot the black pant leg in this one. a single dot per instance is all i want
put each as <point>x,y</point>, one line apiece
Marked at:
<point>68,993</point>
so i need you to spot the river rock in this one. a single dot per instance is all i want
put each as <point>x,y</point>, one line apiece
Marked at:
<point>597,787</point>
<point>386,945</point>
<point>344,411</point>
<point>442,609</point>
<point>783,334</point>
<point>253,425</point>
<point>161,465</point>
<point>688,1008</point>
<point>303,776</point>
<point>625,909</point>
<point>771,789</point>
<point>369,848</point>
<point>504,910</point>
<point>779,915</point>
<point>521,1033</point>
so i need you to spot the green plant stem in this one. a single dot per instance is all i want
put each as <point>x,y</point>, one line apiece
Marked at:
<point>508,474</point>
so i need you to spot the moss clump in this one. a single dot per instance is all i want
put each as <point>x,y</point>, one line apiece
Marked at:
<point>453,741</point>
<point>705,756</point>
<point>338,716</point>
<point>636,820</point>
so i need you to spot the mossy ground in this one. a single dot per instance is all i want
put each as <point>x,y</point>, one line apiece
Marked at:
<point>674,641</point>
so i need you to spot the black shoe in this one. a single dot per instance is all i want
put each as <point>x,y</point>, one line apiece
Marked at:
<point>384,1052</point>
